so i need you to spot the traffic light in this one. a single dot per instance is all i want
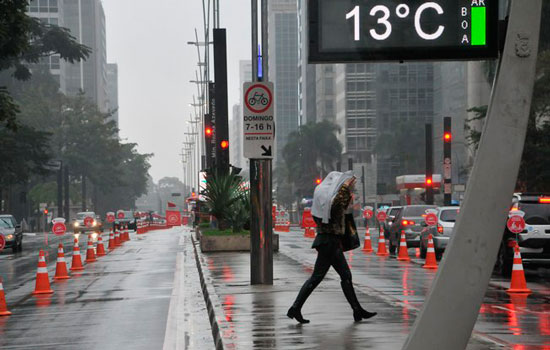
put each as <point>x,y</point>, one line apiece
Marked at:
<point>429,182</point>
<point>447,137</point>
<point>208,131</point>
<point>45,211</point>
<point>318,181</point>
<point>224,144</point>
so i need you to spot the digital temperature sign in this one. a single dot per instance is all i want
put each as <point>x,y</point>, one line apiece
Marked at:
<point>396,30</point>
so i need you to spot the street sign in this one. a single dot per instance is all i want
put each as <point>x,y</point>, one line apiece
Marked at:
<point>2,242</point>
<point>516,222</point>
<point>367,213</point>
<point>110,217</point>
<point>88,221</point>
<point>173,218</point>
<point>59,228</point>
<point>120,214</point>
<point>430,219</point>
<point>258,120</point>
<point>396,30</point>
<point>381,216</point>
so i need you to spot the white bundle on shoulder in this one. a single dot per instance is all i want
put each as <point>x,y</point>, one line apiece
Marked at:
<point>325,192</point>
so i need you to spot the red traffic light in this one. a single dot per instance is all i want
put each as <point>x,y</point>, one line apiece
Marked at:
<point>447,137</point>
<point>45,211</point>
<point>429,181</point>
<point>208,131</point>
<point>318,181</point>
<point>224,144</point>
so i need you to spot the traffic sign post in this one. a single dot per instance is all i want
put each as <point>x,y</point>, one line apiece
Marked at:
<point>516,222</point>
<point>110,217</point>
<point>59,228</point>
<point>430,219</point>
<point>381,216</point>
<point>88,221</point>
<point>258,120</point>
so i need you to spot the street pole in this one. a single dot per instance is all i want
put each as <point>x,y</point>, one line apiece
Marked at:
<point>222,123</point>
<point>67,189</point>
<point>261,230</point>
<point>428,182</point>
<point>447,163</point>
<point>60,191</point>
<point>363,185</point>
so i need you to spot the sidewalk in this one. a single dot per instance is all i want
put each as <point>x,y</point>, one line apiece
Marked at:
<point>254,317</point>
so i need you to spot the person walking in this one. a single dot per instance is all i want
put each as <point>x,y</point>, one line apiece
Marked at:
<point>331,200</point>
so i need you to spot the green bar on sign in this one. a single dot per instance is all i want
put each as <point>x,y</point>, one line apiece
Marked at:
<point>479,36</point>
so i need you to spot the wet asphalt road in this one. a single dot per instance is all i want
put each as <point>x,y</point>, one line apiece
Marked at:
<point>253,317</point>
<point>119,302</point>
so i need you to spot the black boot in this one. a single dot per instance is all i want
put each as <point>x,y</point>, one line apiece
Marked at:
<point>295,310</point>
<point>358,312</point>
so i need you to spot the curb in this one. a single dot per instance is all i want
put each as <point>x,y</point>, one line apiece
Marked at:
<point>206,293</point>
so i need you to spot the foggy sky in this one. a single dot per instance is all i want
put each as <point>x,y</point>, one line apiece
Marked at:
<point>148,40</point>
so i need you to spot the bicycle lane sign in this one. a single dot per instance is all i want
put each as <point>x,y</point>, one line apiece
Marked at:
<point>258,120</point>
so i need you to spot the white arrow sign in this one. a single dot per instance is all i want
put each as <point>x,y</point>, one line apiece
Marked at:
<point>258,120</point>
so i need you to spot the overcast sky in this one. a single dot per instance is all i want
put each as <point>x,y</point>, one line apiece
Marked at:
<point>148,40</point>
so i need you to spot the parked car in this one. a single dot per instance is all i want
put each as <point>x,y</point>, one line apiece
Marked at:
<point>408,221</point>
<point>128,219</point>
<point>446,218</point>
<point>391,213</point>
<point>79,226</point>
<point>534,241</point>
<point>13,233</point>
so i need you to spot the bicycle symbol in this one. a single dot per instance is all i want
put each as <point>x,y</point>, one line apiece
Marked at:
<point>260,98</point>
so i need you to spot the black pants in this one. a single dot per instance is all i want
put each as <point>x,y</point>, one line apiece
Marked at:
<point>329,255</point>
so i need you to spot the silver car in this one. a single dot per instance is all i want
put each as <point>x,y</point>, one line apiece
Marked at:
<point>446,218</point>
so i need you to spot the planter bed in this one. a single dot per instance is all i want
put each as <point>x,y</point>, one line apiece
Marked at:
<point>229,242</point>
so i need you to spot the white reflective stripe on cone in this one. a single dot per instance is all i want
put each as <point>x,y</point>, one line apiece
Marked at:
<point>42,270</point>
<point>41,259</point>
<point>517,267</point>
<point>517,255</point>
<point>76,253</point>
<point>60,251</point>
<point>431,250</point>
<point>1,287</point>
<point>61,259</point>
<point>403,244</point>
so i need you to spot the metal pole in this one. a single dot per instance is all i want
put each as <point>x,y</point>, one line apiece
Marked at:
<point>447,161</point>
<point>60,191</point>
<point>261,230</point>
<point>466,270</point>
<point>363,185</point>
<point>67,190</point>
<point>428,183</point>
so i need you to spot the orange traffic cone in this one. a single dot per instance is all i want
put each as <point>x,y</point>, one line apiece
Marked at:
<point>403,251</point>
<point>431,262</point>
<point>118,243</point>
<point>61,266</point>
<point>367,247</point>
<point>111,240</point>
<point>3,307</point>
<point>100,246</point>
<point>90,253</point>
<point>42,279</point>
<point>126,234</point>
<point>382,251</point>
<point>518,284</point>
<point>76,264</point>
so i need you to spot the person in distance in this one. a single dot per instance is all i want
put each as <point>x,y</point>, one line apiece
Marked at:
<point>336,233</point>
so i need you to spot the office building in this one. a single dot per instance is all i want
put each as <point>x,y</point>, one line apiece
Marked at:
<point>51,12</point>
<point>283,68</point>
<point>86,21</point>
<point>112,91</point>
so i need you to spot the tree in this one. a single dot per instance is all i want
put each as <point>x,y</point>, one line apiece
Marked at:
<point>24,40</point>
<point>309,153</point>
